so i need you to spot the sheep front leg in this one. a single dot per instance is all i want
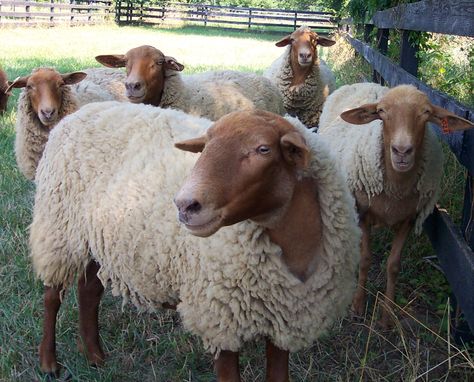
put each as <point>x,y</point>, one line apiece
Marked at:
<point>358,302</point>
<point>393,268</point>
<point>227,366</point>
<point>47,348</point>
<point>277,364</point>
<point>90,291</point>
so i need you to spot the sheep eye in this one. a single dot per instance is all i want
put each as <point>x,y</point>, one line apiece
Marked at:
<point>263,149</point>
<point>427,111</point>
<point>29,87</point>
<point>380,111</point>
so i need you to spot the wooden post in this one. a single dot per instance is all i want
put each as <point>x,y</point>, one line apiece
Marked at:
<point>118,9</point>
<point>408,59</point>
<point>27,10</point>
<point>368,28</point>
<point>382,46</point>
<point>205,16</point>
<point>89,11</point>
<point>51,10</point>
<point>250,18</point>
<point>294,24</point>
<point>71,20</point>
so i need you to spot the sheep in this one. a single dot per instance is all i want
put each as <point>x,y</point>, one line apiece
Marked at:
<point>154,79</point>
<point>4,91</point>
<point>46,98</point>
<point>393,164</point>
<point>105,187</point>
<point>303,79</point>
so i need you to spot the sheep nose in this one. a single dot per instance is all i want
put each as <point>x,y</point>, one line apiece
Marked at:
<point>305,56</point>
<point>186,208</point>
<point>133,86</point>
<point>47,113</point>
<point>402,150</point>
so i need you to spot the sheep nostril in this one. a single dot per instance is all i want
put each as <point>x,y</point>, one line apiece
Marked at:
<point>47,113</point>
<point>137,86</point>
<point>402,150</point>
<point>193,207</point>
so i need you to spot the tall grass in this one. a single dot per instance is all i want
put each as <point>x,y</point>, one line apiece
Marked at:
<point>154,347</point>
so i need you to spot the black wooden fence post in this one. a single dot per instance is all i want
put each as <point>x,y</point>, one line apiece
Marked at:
<point>382,46</point>
<point>250,18</point>
<point>296,17</point>
<point>51,10</point>
<point>408,59</point>
<point>27,10</point>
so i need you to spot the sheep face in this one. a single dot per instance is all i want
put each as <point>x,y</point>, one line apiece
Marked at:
<point>4,93</point>
<point>145,67</point>
<point>44,89</point>
<point>247,170</point>
<point>304,44</point>
<point>404,111</point>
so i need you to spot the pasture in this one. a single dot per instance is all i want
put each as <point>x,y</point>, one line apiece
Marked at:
<point>154,347</point>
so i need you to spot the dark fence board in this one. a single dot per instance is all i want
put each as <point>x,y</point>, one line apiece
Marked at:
<point>456,259</point>
<point>439,16</point>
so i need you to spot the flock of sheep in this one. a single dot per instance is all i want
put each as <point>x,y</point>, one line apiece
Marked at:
<point>273,218</point>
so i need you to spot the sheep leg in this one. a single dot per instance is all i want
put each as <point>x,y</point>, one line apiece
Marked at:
<point>90,292</point>
<point>277,364</point>
<point>358,302</point>
<point>47,347</point>
<point>393,268</point>
<point>227,366</point>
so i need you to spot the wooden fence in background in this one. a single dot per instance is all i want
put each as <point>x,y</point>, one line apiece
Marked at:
<point>453,245</point>
<point>146,13</point>
<point>51,12</point>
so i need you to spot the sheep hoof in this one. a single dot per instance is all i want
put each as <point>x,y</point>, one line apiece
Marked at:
<point>358,307</point>
<point>48,363</point>
<point>93,352</point>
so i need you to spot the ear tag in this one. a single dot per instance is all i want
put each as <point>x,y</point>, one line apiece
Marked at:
<point>445,126</point>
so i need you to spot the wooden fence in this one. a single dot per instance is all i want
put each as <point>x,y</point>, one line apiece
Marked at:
<point>143,13</point>
<point>453,245</point>
<point>25,12</point>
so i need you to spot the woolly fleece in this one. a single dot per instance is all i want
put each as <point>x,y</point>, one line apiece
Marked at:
<point>32,135</point>
<point>106,183</point>
<point>214,94</point>
<point>359,149</point>
<point>305,101</point>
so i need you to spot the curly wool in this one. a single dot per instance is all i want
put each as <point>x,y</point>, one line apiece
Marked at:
<point>365,169</point>
<point>109,186</point>
<point>305,101</point>
<point>214,94</point>
<point>31,135</point>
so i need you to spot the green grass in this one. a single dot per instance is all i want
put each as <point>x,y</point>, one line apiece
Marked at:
<point>148,347</point>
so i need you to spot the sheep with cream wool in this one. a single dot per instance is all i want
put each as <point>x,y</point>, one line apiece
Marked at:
<point>302,78</point>
<point>105,190</point>
<point>47,97</point>
<point>154,79</point>
<point>393,163</point>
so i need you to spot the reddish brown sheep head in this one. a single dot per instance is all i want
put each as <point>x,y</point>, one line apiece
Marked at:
<point>248,169</point>
<point>146,67</point>
<point>304,44</point>
<point>44,87</point>
<point>404,111</point>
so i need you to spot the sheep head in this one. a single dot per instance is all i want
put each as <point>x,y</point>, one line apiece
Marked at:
<point>44,89</point>
<point>247,170</point>
<point>404,111</point>
<point>146,68</point>
<point>304,42</point>
<point>4,93</point>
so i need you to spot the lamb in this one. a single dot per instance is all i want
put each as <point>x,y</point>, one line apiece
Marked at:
<point>303,79</point>
<point>104,196</point>
<point>393,164</point>
<point>47,97</point>
<point>4,93</point>
<point>154,79</point>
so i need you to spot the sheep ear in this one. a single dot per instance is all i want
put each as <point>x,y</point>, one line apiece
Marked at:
<point>323,41</point>
<point>171,63</point>
<point>295,150</point>
<point>448,121</point>
<point>361,115</point>
<point>284,41</point>
<point>195,145</point>
<point>112,60</point>
<point>19,82</point>
<point>73,78</point>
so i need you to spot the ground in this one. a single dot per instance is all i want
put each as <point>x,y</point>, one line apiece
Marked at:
<point>147,347</point>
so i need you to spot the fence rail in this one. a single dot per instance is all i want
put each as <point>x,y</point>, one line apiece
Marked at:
<point>143,13</point>
<point>453,245</point>
<point>14,13</point>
